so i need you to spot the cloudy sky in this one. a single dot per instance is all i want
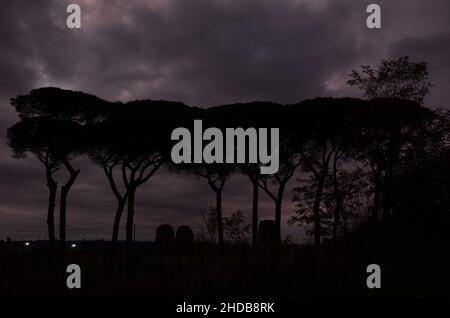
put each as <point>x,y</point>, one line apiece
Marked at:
<point>201,52</point>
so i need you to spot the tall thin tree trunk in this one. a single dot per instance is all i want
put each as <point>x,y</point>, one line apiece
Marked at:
<point>338,206</point>
<point>337,217</point>
<point>52,188</point>
<point>117,217</point>
<point>130,215</point>
<point>255,213</point>
<point>121,202</point>
<point>377,195</point>
<point>316,209</point>
<point>63,202</point>
<point>219,217</point>
<point>387,194</point>
<point>278,206</point>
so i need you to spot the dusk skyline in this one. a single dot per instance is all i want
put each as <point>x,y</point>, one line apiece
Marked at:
<point>203,53</point>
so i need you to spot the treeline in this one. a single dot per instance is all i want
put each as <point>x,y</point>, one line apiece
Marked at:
<point>356,163</point>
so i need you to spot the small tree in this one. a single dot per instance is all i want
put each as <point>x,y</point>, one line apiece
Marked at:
<point>397,78</point>
<point>35,136</point>
<point>216,175</point>
<point>64,113</point>
<point>208,232</point>
<point>336,212</point>
<point>235,227</point>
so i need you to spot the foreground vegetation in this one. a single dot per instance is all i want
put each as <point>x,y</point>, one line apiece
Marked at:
<point>147,272</point>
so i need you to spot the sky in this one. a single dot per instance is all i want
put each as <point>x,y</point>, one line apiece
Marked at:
<point>203,53</point>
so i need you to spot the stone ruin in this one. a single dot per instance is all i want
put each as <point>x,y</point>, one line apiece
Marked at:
<point>267,234</point>
<point>184,236</point>
<point>164,236</point>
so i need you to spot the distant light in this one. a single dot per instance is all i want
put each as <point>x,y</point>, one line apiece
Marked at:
<point>74,245</point>
<point>27,244</point>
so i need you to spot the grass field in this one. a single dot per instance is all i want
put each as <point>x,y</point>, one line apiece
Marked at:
<point>146,271</point>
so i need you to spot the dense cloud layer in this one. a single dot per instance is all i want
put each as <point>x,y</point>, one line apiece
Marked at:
<point>202,52</point>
